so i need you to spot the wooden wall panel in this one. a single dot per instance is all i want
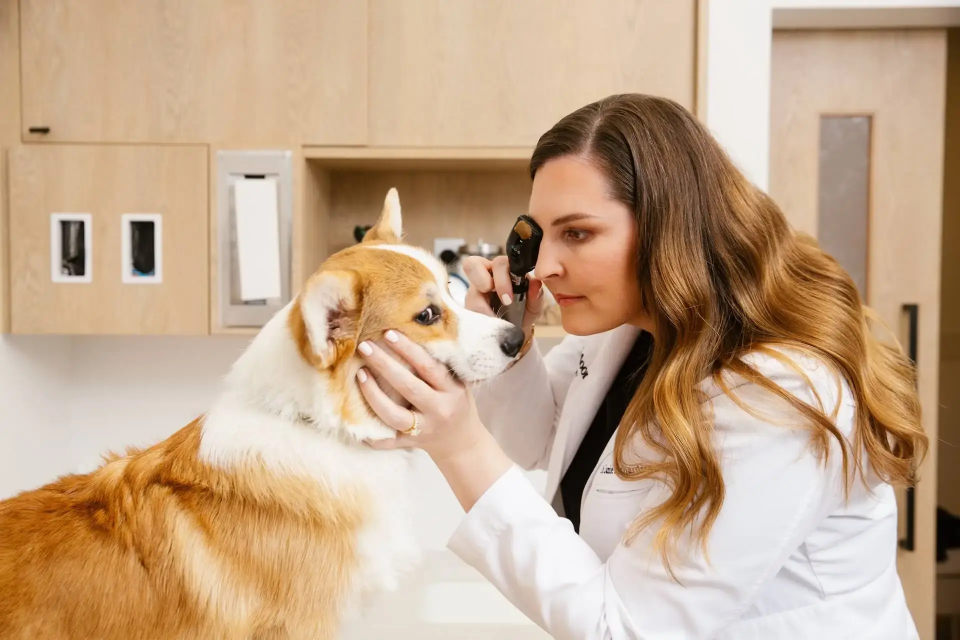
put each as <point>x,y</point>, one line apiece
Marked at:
<point>107,182</point>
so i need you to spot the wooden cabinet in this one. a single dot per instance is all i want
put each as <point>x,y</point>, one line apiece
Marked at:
<point>242,71</point>
<point>501,72</point>
<point>9,135</point>
<point>102,184</point>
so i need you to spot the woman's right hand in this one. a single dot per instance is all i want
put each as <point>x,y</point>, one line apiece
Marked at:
<point>486,276</point>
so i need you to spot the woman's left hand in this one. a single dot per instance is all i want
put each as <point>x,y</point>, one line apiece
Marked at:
<point>448,419</point>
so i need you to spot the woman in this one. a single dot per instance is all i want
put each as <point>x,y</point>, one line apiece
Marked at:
<point>721,430</point>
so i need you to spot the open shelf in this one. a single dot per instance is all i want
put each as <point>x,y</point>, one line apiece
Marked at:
<point>467,193</point>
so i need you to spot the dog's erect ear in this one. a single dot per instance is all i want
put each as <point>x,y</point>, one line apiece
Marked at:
<point>390,226</point>
<point>329,304</point>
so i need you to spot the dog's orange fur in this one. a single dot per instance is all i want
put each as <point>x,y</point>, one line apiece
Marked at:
<point>230,545</point>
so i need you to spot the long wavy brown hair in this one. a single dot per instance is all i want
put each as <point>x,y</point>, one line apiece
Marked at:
<point>721,274</point>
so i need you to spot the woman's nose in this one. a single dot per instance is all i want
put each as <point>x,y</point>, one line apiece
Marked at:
<point>547,264</point>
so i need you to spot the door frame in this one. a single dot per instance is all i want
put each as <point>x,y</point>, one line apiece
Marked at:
<point>735,39</point>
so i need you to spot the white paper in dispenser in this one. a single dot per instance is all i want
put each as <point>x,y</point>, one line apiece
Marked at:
<point>258,238</point>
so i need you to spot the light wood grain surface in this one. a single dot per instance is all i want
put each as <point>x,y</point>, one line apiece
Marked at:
<point>107,182</point>
<point>9,137</point>
<point>210,71</point>
<point>469,205</point>
<point>502,72</point>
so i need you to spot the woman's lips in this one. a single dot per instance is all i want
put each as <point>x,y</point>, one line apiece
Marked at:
<point>565,300</point>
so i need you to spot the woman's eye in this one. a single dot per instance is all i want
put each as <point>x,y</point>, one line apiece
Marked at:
<point>428,316</point>
<point>577,235</point>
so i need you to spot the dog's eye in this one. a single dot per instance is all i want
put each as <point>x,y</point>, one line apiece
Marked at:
<point>429,315</point>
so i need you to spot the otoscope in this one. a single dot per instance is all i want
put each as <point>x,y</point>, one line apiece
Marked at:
<point>523,246</point>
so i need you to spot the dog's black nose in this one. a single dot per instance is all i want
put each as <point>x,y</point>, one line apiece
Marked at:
<point>511,341</point>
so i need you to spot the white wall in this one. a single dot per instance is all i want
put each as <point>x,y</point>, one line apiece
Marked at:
<point>738,82</point>
<point>34,438</point>
<point>134,391</point>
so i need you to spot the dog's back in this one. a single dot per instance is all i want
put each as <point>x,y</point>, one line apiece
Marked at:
<point>160,545</point>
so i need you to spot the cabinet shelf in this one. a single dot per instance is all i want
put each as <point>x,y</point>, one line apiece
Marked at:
<point>418,158</point>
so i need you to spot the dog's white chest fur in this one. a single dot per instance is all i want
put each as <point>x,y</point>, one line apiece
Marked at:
<point>386,543</point>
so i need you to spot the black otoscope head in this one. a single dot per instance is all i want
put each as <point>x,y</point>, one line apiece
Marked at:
<point>523,247</point>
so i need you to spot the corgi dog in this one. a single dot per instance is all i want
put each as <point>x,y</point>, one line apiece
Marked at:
<point>269,516</point>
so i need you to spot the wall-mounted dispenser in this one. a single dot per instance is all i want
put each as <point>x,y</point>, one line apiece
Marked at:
<point>71,247</point>
<point>254,227</point>
<point>141,248</point>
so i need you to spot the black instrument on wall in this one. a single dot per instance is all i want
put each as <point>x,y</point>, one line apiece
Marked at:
<point>361,230</point>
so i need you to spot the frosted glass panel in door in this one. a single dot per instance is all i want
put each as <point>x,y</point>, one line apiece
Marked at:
<point>844,193</point>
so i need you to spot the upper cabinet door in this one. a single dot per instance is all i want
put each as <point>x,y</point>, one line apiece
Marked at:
<point>243,71</point>
<point>501,72</point>
<point>109,239</point>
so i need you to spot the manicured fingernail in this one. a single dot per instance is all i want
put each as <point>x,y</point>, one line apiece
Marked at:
<point>362,376</point>
<point>392,336</point>
<point>506,298</point>
<point>365,348</point>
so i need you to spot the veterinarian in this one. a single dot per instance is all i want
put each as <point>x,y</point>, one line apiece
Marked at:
<point>720,431</point>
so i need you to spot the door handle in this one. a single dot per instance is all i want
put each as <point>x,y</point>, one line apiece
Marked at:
<point>908,541</point>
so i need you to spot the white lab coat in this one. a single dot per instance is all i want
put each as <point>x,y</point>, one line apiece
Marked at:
<point>788,557</point>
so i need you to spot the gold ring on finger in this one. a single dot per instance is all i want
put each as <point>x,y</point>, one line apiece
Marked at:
<point>414,429</point>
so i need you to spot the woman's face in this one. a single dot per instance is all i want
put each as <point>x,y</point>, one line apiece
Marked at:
<point>588,253</point>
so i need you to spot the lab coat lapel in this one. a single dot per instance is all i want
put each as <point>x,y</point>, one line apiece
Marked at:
<point>583,400</point>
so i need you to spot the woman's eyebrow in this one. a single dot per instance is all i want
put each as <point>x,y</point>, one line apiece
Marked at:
<point>570,217</point>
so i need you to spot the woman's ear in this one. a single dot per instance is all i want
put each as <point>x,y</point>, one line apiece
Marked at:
<point>390,226</point>
<point>329,309</point>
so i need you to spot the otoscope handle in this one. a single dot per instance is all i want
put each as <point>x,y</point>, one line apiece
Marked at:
<point>513,312</point>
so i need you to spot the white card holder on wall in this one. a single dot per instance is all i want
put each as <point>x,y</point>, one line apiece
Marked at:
<point>254,227</point>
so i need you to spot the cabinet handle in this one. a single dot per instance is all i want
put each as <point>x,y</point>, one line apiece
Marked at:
<point>43,130</point>
<point>908,541</point>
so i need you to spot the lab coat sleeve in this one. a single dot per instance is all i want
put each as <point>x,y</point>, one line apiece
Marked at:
<point>776,494</point>
<point>521,406</point>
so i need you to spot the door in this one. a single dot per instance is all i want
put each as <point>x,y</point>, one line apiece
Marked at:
<point>108,239</point>
<point>857,126</point>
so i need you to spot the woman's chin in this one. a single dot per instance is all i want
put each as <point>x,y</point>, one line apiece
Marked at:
<point>580,322</point>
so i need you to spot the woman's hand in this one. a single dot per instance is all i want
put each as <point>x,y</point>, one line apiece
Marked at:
<point>486,276</point>
<point>447,420</point>
<point>450,429</point>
